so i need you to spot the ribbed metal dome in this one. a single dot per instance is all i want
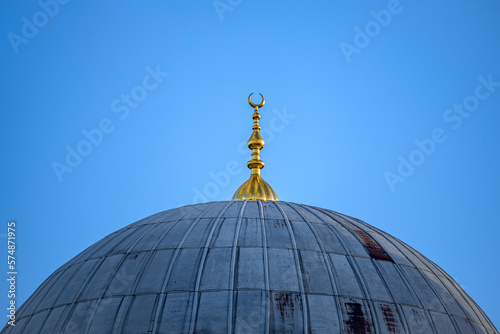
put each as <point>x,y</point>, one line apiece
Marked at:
<point>250,267</point>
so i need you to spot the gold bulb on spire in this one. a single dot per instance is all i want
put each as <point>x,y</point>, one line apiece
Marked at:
<point>255,188</point>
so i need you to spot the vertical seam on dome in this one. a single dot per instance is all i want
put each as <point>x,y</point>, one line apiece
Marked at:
<point>44,321</point>
<point>89,250</point>
<point>469,300</point>
<point>450,279</point>
<point>389,288</point>
<point>231,308</point>
<point>403,275</point>
<point>382,273</point>
<point>424,277</point>
<point>142,270</point>
<point>90,277</point>
<point>117,233</point>
<point>172,263</point>
<point>128,251</point>
<point>48,286</point>
<point>332,228</point>
<point>153,251</point>
<point>124,234</point>
<point>384,235</point>
<point>148,258</point>
<point>362,238</point>
<point>47,318</point>
<point>153,216</point>
<point>196,297</point>
<point>446,276</point>
<point>331,274</point>
<point>373,261</point>
<point>144,229</point>
<point>74,302</point>
<point>122,313</point>
<point>297,265</point>
<point>27,320</point>
<point>160,238</point>
<point>21,329</point>
<point>391,293</point>
<point>112,236</point>
<point>231,314</point>
<point>137,240</point>
<point>267,294</point>
<point>92,314</point>
<point>72,311</point>
<point>432,288</point>
<point>98,304</point>
<point>357,273</point>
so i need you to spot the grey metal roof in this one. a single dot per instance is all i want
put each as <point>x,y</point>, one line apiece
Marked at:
<point>250,267</point>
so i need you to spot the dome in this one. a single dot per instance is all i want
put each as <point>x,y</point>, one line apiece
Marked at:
<point>250,267</point>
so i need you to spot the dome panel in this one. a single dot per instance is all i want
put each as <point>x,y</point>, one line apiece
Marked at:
<point>388,315</point>
<point>212,314</point>
<point>376,286</point>
<point>154,272</point>
<point>345,277</point>
<point>79,275</point>
<point>176,313</point>
<point>251,233</point>
<point>315,273</point>
<point>250,267</point>
<point>224,233</point>
<point>251,312</point>
<point>52,324</point>
<point>324,314</point>
<point>105,315</point>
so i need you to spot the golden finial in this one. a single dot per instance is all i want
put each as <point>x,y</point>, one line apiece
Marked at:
<point>255,188</point>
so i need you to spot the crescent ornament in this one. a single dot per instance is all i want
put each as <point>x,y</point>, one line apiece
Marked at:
<point>256,105</point>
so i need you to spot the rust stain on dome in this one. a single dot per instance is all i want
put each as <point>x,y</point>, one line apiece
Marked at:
<point>286,303</point>
<point>390,320</point>
<point>371,245</point>
<point>356,322</point>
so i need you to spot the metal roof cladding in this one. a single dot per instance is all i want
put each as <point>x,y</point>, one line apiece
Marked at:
<point>250,267</point>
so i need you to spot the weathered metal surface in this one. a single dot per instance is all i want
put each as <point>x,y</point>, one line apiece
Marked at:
<point>356,318</point>
<point>373,247</point>
<point>250,267</point>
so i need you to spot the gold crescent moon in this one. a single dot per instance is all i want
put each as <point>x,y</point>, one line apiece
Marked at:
<point>256,105</point>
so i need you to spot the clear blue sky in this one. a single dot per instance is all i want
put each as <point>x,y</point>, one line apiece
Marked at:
<point>351,88</point>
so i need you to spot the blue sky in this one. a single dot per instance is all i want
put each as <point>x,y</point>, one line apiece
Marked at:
<point>387,111</point>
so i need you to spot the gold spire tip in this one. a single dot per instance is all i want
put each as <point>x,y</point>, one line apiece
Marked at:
<point>255,188</point>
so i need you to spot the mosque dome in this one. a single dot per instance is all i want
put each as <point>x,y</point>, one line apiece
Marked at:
<point>250,267</point>
<point>254,264</point>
